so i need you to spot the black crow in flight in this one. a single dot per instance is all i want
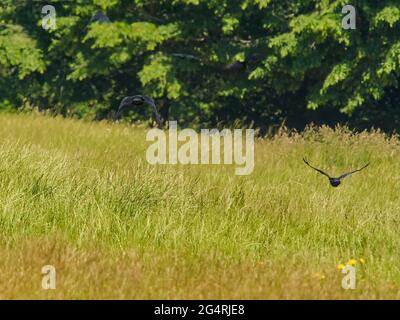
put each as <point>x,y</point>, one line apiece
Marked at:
<point>139,100</point>
<point>335,181</point>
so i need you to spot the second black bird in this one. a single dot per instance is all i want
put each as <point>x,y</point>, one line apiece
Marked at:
<point>332,180</point>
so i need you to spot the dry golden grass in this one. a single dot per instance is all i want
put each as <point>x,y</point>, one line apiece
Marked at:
<point>81,196</point>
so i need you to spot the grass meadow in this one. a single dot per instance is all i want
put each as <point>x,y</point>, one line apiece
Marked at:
<point>82,197</point>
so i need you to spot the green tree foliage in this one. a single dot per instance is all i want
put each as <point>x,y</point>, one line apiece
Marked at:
<point>206,62</point>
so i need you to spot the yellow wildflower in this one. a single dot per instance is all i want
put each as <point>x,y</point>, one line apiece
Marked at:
<point>340,266</point>
<point>352,262</point>
<point>362,260</point>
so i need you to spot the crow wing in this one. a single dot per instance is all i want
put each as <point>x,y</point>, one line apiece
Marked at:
<point>124,102</point>
<point>351,172</point>
<point>151,103</point>
<point>320,171</point>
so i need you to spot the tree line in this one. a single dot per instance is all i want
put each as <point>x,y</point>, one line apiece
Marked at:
<point>260,63</point>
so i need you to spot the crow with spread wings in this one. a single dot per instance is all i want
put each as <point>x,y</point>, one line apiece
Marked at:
<point>335,181</point>
<point>139,100</point>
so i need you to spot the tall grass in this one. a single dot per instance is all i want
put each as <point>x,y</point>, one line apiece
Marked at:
<point>81,196</point>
